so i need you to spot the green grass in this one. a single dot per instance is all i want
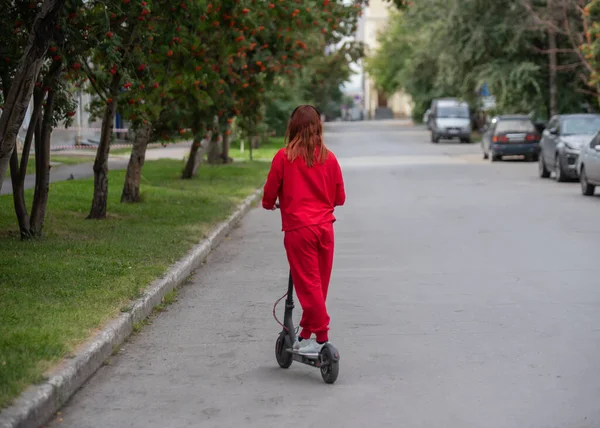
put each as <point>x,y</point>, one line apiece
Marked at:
<point>55,292</point>
<point>265,152</point>
<point>476,137</point>
<point>121,151</point>
<point>72,160</point>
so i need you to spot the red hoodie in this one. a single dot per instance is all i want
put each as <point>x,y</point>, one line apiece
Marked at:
<point>307,196</point>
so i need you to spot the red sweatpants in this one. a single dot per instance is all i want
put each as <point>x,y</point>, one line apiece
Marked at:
<point>310,255</point>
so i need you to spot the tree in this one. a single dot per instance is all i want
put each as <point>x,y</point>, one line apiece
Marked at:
<point>190,68</point>
<point>152,114</point>
<point>52,102</point>
<point>21,87</point>
<point>572,48</point>
<point>442,48</point>
<point>121,30</point>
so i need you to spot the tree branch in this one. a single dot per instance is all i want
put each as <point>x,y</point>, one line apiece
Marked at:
<point>587,92</point>
<point>557,50</point>
<point>585,79</point>
<point>566,67</point>
<point>542,22</point>
<point>92,77</point>
<point>573,42</point>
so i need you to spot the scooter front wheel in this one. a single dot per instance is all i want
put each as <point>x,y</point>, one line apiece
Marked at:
<point>330,364</point>
<point>284,358</point>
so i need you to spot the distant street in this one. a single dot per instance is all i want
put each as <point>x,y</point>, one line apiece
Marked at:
<point>465,294</point>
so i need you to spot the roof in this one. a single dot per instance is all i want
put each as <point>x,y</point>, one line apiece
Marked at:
<point>513,117</point>
<point>562,116</point>
<point>446,102</point>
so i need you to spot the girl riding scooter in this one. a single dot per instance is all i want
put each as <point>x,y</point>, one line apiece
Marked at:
<point>307,179</point>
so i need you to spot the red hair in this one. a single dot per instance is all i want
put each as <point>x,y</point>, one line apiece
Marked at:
<point>304,136</point>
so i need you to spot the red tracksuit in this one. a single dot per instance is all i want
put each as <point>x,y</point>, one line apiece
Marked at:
<point>307,198</point>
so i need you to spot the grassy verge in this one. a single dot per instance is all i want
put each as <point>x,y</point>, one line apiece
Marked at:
<point>121,151</point>
<point>55,292</point>
<point>265,152</point>
<point>476,137</point>
<point>71,160</point>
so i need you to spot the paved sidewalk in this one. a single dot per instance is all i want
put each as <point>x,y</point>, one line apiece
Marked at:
<point>85,170</point>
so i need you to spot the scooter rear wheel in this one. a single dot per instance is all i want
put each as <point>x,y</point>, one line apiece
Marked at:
<point>330,367</point>
<point>284,358</point>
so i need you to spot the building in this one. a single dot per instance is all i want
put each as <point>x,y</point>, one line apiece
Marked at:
<point>377,105</point>
<point>83,129</point>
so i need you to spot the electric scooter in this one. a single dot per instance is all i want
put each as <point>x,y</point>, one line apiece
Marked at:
<point>327,360</point>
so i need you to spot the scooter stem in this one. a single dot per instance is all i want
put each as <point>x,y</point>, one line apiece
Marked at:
<point>289,308</point>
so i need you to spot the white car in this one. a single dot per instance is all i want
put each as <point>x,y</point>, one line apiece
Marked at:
<point>449,119</point>
<point>588,166</point>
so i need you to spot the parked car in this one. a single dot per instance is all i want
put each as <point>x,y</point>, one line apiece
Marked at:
<point>426,119</point>
<point>511,135</point>
<point>450,118</point>
<point>588,166</point>
<point>562,141</point>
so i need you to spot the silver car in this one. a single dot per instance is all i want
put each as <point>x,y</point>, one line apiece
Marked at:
<point>588,166</point>
<point>562,141</point>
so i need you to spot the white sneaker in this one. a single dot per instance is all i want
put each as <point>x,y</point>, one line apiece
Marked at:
<point>312,348</point>
<point>300,344</point>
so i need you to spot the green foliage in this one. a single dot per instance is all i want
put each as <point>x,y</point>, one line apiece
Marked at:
<point>438,48</point>
<point>318,83</point>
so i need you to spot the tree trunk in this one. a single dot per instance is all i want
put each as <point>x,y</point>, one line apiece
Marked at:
<point>19,198</point>
<point>42,164</point>
<point>100,200</point>
<point>226,143</point>
<point>553,71</point>
<point>18,173</point>
<point>21,89</point>
<point>552,62</point>
<point>214,151</point>
<point>38,99</point>
<point>196,153</point>
<point>131,188</point>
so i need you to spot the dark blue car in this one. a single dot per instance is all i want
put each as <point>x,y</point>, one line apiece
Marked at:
<point>514,135</point>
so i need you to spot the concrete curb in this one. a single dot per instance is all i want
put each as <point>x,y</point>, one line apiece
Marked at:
<point>39,402</point>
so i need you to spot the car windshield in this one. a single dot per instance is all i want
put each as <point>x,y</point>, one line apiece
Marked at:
<point>582,125</point>
<point>453,111</point>
<point>515,125</point>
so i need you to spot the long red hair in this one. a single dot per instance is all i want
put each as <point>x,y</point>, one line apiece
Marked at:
<point>304,136</point>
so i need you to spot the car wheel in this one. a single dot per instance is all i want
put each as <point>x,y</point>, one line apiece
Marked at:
<point>434,138</point>
<point>543,171</point>
<point>560,174</point>
<point>465,140</point>
<point>494,157</point>
<point>587,189</point>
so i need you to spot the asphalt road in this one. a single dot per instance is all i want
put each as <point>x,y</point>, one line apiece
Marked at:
<point>464,294</point>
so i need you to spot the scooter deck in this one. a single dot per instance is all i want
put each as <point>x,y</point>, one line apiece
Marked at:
<point>311,360</point>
